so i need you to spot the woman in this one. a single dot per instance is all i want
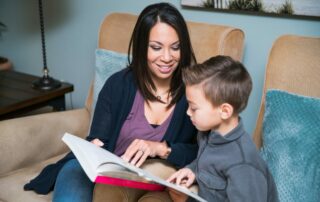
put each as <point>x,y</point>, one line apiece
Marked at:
<point>141,110</point>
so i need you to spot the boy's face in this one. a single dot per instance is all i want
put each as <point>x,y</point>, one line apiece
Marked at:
<point>203,114</point>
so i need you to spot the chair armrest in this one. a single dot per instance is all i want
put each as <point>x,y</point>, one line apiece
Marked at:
<point>28,140</point>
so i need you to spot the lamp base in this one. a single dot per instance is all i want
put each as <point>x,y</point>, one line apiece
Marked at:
<point>46,83</point>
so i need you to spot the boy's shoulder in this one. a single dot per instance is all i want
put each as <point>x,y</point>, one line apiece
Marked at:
<point>242,150</point>
<point>250,154</point>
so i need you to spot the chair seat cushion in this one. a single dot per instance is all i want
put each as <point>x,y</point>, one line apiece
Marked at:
<point>291,144</point>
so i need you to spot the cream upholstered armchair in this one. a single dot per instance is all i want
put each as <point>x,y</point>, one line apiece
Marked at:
<point>28,144</point>
<point>288,130</point>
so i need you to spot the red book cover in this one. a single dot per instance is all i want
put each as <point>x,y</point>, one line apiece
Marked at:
<point>129,183</point>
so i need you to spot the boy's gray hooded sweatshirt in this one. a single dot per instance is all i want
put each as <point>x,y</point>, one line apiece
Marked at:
<point>229,168</point>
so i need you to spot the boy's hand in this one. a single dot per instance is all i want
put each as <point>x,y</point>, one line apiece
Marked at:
<point>184,177</point>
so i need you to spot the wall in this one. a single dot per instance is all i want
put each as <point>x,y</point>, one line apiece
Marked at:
<point>71,37</point>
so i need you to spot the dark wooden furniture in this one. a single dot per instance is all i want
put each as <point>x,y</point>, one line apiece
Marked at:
<point>17,96</point>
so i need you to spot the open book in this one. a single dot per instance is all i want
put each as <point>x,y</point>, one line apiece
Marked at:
<point>104,167</point>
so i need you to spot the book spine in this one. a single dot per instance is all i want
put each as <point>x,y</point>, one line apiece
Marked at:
<point>129,183</point>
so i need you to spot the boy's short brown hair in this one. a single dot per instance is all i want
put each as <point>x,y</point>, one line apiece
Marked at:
<point>224,80</point>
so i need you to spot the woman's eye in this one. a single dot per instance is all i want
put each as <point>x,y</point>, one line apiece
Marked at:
<point>176,47</point>
<point>156,48</point>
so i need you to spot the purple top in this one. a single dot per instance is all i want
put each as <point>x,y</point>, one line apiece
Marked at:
<point>136,126</point>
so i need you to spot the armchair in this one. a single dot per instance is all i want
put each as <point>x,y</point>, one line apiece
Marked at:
<point>28,144</point>
<point>287,129</point>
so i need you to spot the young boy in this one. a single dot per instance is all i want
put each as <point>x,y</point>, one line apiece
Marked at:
<point>228,166</point>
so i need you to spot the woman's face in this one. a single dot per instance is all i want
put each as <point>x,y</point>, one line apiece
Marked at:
<point>163,51</point>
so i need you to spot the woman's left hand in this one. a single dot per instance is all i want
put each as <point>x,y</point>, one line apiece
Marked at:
<point>139,150</point>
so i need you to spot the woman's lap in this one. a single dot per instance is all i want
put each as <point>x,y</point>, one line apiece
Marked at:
<point>72,184</point>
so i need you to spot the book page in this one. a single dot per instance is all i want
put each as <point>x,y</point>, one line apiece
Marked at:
<point>117,171</point>
<point>77,146</point>
<point>96,161</point>
<point>102,161</point>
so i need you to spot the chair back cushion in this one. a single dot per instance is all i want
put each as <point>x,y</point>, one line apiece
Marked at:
<point>107,63</point>
<point>291,139</point>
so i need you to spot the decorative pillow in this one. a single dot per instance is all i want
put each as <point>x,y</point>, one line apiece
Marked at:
<point>291,145</point>
<point>107,63</point>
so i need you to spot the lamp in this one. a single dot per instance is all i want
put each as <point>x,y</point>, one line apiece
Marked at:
<point>46,82</point>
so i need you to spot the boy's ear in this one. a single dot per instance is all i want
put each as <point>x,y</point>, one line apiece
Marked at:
<point>226,111</point>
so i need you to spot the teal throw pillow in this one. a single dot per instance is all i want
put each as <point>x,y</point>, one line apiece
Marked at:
<point>291,145</point>
<point>107,63</point>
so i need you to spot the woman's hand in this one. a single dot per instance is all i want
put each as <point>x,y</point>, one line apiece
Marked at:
<point>97,142</point>
<point>140,150</point>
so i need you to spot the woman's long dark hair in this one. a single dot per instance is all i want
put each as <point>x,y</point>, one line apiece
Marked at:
<point>138,48</point>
